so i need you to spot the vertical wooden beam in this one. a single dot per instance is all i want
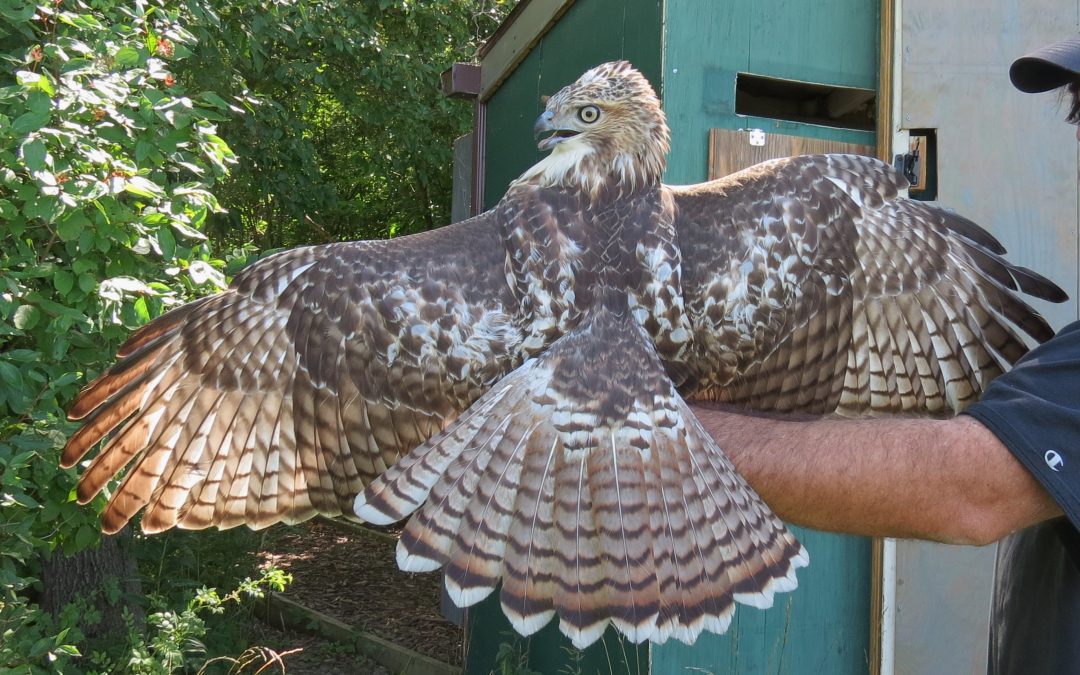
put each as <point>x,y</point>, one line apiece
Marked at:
<point>885,81</point>
<point>462,80</point>
<point>884,152</point>
<point>479,156</point>
<point>877,572</point>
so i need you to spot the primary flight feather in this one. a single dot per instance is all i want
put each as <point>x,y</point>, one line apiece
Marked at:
<point>517,382</point>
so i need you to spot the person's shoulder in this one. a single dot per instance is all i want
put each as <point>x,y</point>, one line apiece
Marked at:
<point>1073,329</point>
<point>1063,347</point>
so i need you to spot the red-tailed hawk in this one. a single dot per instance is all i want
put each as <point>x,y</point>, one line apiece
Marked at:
<point>518,381</point>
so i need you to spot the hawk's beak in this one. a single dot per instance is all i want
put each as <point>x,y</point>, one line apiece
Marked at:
<point>544,126</point>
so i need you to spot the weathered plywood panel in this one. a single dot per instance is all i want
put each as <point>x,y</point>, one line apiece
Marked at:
<point>1007,161</point>
<point>942,608</point>
<point>730,151</point>
<point>708,42</point>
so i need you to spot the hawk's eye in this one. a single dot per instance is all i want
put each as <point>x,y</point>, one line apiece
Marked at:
<point>589,114</point>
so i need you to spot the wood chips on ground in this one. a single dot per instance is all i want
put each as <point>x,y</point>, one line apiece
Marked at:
<point>355,579</point>
<point>301,654</point>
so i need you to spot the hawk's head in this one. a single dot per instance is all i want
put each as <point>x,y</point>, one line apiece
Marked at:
<point>606,126</point>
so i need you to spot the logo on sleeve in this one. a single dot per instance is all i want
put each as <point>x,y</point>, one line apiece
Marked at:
<point>1053,460</point>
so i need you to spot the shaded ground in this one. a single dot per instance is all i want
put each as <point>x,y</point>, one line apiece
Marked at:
<point>356,580</point>
<point>303,654</point>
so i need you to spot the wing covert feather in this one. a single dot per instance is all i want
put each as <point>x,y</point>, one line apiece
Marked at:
<point>813,271</point>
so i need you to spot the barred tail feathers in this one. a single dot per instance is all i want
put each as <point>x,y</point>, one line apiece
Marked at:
<point>583,483</point>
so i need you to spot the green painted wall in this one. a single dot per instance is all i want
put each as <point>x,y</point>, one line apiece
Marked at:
<point>591,32</point>
<point>706,42</point>
<point>824,627</point>
<point>691,50</point>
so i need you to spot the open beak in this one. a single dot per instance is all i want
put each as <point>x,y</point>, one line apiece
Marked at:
<point>546,135</point>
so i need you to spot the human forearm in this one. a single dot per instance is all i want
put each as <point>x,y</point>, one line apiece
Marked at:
<point>945,480</point>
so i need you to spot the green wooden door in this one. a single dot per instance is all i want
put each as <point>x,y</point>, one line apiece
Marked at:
<point>589,33</point>
<point>691,50</point>
<point>706,43</point>
<point>823,626</point>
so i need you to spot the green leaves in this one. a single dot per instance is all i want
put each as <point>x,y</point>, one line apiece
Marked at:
<point>203,273</point>
<point>347,133</point>
<point>85,23</point>
<point>39,81</point>
<point>72,225</point>
<point>17,12</point>
<point>26,317</point>
<point>126,56</point>
<point>63,281</point>
<point>29,122</point>
<point>120,122</point>
<point>182,228</point>
<point>96,182</point>
<point>33,154</point>
<point>137,185</point>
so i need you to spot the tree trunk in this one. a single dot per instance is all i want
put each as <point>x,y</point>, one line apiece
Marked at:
<point>90,575</point>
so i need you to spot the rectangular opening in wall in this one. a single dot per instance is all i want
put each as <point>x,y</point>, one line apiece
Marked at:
<point>807,102</point>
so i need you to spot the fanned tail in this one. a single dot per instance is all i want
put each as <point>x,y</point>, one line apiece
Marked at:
<point>583,482</point>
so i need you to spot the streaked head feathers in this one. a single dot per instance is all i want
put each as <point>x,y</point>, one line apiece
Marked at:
<point>605,129</point>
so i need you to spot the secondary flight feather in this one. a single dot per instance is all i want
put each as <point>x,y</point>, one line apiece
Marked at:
<point>516,384</point>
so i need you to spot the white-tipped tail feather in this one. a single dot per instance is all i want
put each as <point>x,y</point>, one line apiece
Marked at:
<point>583,483</point>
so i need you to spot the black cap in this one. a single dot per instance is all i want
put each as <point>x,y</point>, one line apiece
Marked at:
<point>1049,67</point>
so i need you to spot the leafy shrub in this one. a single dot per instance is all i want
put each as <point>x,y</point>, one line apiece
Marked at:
<point>113,120</point>
<point>106,166</point>
<point>174,640</point>
<point>348,135</point>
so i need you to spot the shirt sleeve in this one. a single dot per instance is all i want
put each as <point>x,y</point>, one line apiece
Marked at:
<point>1034,409</point>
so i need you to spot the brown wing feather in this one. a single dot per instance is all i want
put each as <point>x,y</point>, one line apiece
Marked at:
<point>812,271</point>
<point>282,397</point>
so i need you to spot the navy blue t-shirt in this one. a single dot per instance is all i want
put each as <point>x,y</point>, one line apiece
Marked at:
<point>1034,410</point>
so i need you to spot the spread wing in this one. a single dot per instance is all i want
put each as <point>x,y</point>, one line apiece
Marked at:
<point>813,287</point>
<point>283,396</point>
